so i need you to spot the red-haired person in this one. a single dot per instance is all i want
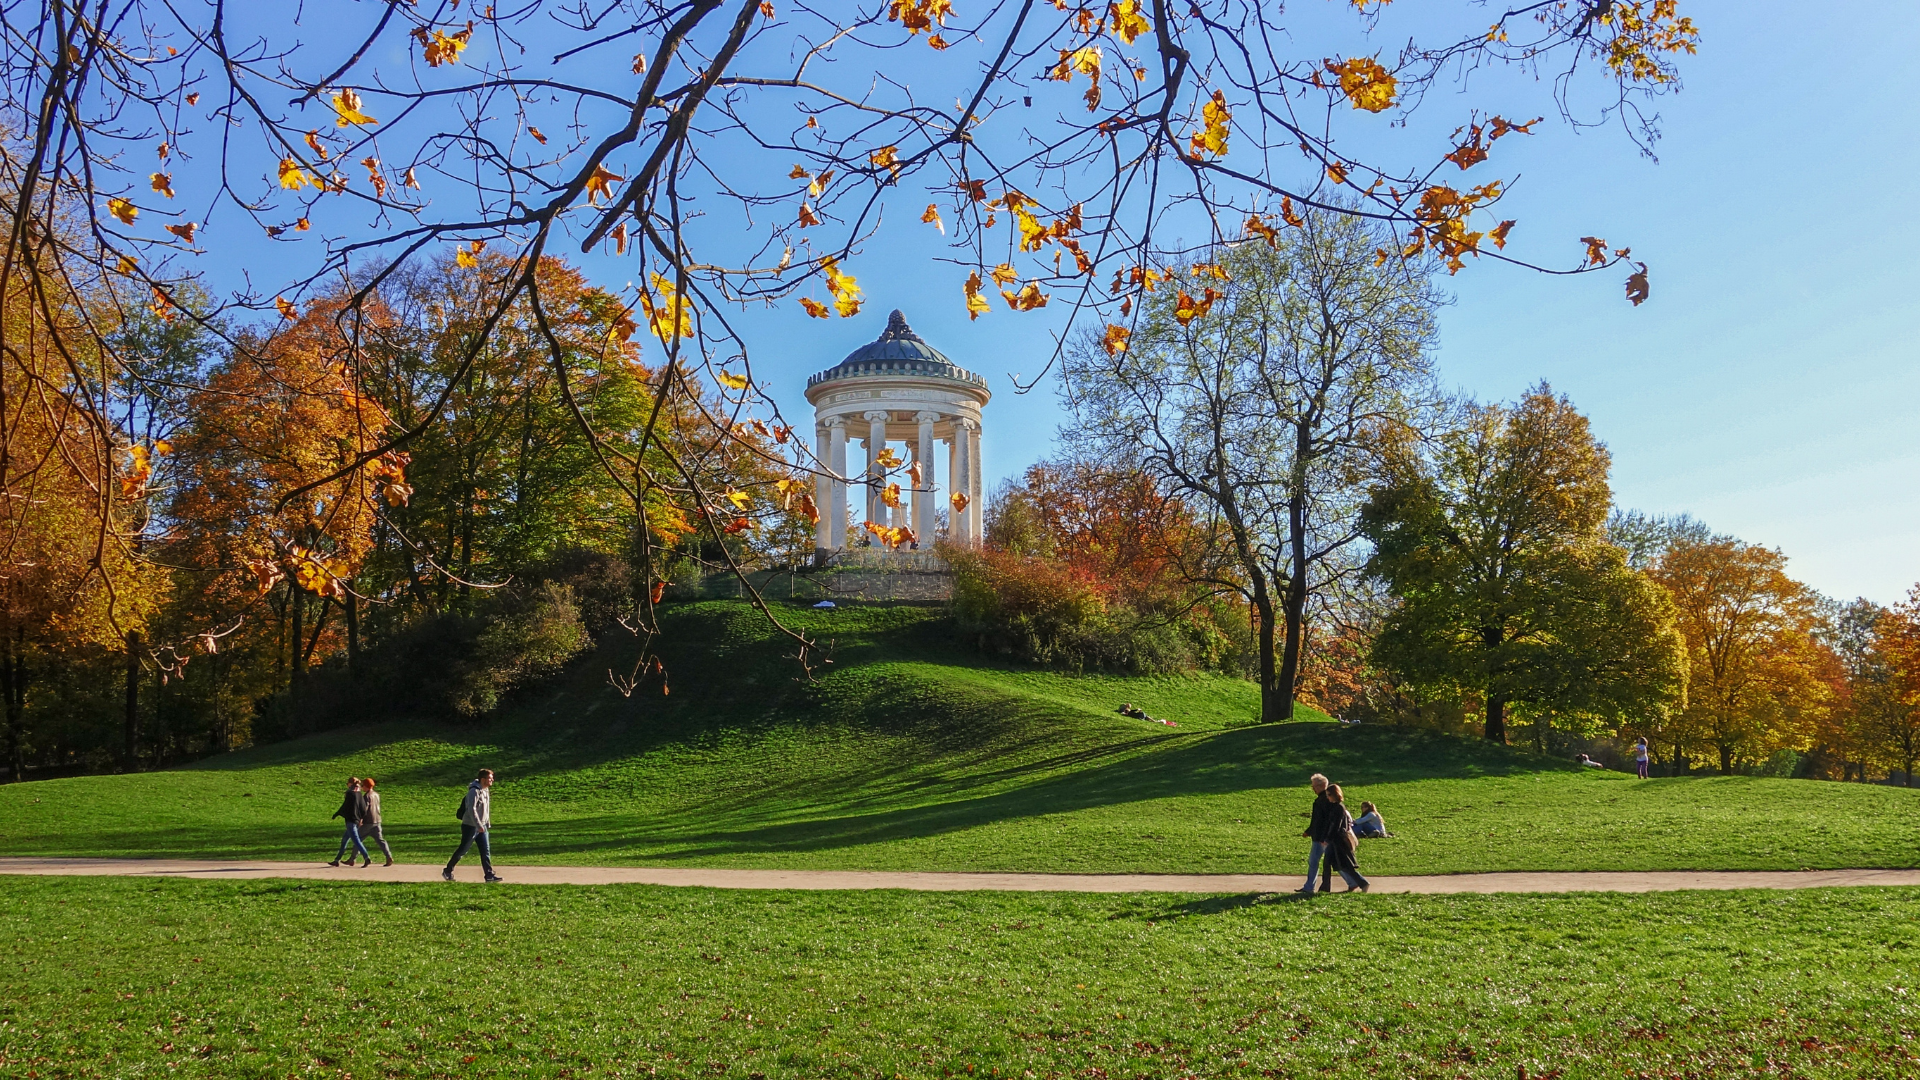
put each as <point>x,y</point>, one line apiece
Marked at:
<point>370,822</point>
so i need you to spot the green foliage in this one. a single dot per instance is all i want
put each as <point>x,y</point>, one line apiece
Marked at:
<point>270,978</point>
<point>1506,588</point>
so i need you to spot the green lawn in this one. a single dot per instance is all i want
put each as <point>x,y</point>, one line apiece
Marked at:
<point>121,978</point>
<point>911,754</point>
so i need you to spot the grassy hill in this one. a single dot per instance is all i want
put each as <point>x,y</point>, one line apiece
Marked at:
<point>910,753</point>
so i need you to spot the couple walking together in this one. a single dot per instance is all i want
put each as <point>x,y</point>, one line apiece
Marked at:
<point>361,809</point>
<point>1334,845</point>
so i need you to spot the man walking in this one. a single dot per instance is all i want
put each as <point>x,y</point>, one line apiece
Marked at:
<point>1319,829</point>
<point>476,820</point>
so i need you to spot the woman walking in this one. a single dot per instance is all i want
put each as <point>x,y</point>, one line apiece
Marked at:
<point>352,808</point>
<point>1342,849</point>
<point>1640,756</point>
<point>370,823</point>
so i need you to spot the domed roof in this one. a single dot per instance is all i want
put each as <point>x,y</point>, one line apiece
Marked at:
<point>897,351</point>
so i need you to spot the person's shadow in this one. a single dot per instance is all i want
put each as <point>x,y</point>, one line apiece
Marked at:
<point>1219,905</point>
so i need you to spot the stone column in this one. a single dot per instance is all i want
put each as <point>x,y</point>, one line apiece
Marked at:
<point>834,509</point>
<point>962,481</point>
<point>822,495</point>
<point>976,486</point>
<point>924,494</point>
<point>876,442</point>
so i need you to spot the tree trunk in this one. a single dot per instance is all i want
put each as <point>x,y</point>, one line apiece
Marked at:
<point>296,661</point>
<point>1726,760</point>
<point>131,760</point>
<point>353,634</point>
<point>1496,719</point>
<point>1276,704</point>
<point>13,670</point>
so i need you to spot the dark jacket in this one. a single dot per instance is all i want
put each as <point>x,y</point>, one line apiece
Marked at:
<point>1340,852</point>
<point>1325,813</point>
<point>353,808</point>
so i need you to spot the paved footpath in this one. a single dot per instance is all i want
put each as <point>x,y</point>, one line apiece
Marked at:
<point>1519,882</point>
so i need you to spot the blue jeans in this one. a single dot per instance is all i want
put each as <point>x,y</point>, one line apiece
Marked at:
<point>352,835</point>
<point>469,837</point>
<point>1314,854</point>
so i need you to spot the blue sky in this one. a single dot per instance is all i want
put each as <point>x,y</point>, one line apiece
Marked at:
<point>1768,387</point>
<point>1765,388</point>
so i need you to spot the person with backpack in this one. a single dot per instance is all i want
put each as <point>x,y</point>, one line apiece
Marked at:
<point>1343,850</point>
<point>353,808</point>
<point>476,821</point>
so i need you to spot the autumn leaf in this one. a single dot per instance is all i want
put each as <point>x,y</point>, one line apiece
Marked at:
<point>314,144</point>
<point>464,259</point>
<point>668,317</point>
<point>1127,22</point>
<point>890,495</point>
<point>737,526</point>
<point>1026,299</point>
<point>126,265</point>
<point>163,184</point>
<point>807,216</point>
<point>292,176</point>
<point>659,590</point>
<point>183,231</point>
<point>123,210</point>
<point>1187,308</point>
<point>932,217</point>
<point>1367,85</point>
<point>731,381</point>
<point>846,293</point>
<point>815,308</point>
<point>887,157</point>
<point>639,63</point>
<point>347,104</point>
<point>1005,274</point>
<point>1498,234</point>
<point>766,9</point>
<point>409,181</point>
<point>375,177</point>
<point>601,183</point>
<point>537,137</point>
<point>1214,270</point>
<point>798,173</point>
<point>740,499</point>
<point>1214,118</point>
<point>888,458</point>
<point>1637,287</point>
<point>976,304</point>
<point>439,47</point>
<point>1116,339</point>
<point>1288,214</point>
<point>287,308</point>
<point>619,235</point>
<point>807,508</point>
<point>1257,226</point>
<point>1336,172</point>
<point>1596,250</point>
<point>959,501</point>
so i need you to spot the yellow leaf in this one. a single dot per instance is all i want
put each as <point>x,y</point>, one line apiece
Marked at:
<point>123,210</point>
<point>1026,299</point>
<point>1214,129</point>
<point>1005,274</point>
<point>126,265</point>
<point>292,176</point>
<point>959,501</point>
<point>891,495</point>
<point>440,47</point>
<point>464,259</point>
<point>740,499</point>
<point>1127,21</point>
<point>1116,339</point>
<point>670,316</point>
<point>1368,85</point>
<point>1187,308</point>
<point>287,308</point>
<point>347,104</point>
<point>815,308</point>
<point>1336,172</point>
<point>601,183</point>
<point>731,381</point>
<point>887,157</point>
<point>932,217</point>
<point>1499,233</point>
<point>976,304</point>
<point>846,293</point>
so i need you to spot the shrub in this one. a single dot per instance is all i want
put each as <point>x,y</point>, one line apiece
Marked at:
<point>1782,764</point>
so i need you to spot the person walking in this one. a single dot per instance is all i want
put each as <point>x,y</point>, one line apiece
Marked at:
<point>370,824</point>
<point>1641,757</point>
<point>1343,851</point>
<point>1317,826</point>
<point>476,821</point>
<point>353,808</point>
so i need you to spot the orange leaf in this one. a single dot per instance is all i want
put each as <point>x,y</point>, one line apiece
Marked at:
<point>1367,85</point>
<point>163,184</point>
<point>932,217</point>
<point>184,232</point>
<point>601,183</point>
<point>287,308</point>
<point>1116,339</point>
<point>815,308</point>
<point>1596,250</point>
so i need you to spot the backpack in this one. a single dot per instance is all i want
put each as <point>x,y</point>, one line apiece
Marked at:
<point>465,801</point>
